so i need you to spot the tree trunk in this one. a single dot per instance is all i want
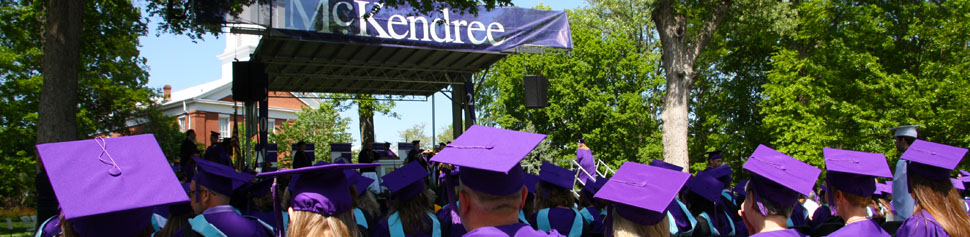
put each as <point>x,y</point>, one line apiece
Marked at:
<point>678,55</point>
<point>365,114</point>
<point>57,111</point>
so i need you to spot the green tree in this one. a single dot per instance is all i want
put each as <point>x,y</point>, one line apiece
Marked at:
<point>110,78</point>
<point>606,90</point>
<point>416,132</point>
<point>319,126</point>
<point>446,134</point>
<point>367,105</point>
<point>855,70</point>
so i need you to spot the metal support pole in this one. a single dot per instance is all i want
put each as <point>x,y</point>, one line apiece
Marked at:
<point>433,128</point>
<point>457,99</point>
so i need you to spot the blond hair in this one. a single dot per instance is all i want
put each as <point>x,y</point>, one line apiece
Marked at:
<point>938,197</point>
<point>626,228</point>
<point>304,223</point>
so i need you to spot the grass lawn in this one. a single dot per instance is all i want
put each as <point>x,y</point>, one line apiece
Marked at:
<point>19,229</point>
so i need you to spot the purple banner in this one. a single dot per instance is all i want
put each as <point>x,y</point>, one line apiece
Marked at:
<point>344,21</point>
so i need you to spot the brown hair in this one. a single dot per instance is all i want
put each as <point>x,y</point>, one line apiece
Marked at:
<point>624,228</point>
<point>550,196</point>
<point>68,231</point>
<point>304,223</point>
<point>413,213</point>
<point>176,223</point>
<point>941,200</point>
<point>853,199</point>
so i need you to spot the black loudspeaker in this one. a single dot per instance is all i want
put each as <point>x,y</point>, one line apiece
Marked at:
<point>249,82</point>
<point>536,88</point>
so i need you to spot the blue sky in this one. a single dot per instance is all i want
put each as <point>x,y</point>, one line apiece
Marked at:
<point>177,61</point>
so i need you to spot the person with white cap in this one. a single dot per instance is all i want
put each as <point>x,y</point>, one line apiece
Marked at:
<point>902,201</point>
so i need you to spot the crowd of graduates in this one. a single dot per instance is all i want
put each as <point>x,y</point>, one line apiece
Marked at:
<point>475,186</point>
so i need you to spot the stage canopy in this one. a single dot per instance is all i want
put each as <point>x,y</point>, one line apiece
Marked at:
<point>337,46</point>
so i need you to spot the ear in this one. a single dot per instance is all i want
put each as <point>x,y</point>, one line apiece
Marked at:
<point>524,196</point>
<point>464,204</point>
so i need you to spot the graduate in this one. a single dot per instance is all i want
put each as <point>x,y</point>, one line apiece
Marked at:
<point>492,190</point>
<point>448,215</point>
<point>365,207</point>
<point>726,205</point>
<point>210,192</point>
<point>640,195</point>
<point>177,218</point>
<point>938,210</point>
<point>776,181</point>
<point>531,182</point>
<point>108,186</point>
<point>411,209</point>
<point>703,194</point>
<point>680,219</point>
<point>594,210</point>
<point>217,152</point>
<point>851,183</point>
<point>587,164</point>
<point>714,160</point>
<point>322,203</point>
<point>556,201</point>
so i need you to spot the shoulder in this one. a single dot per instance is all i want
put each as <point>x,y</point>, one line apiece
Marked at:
<point>517,229</point>
<point>920,224</point>
<point>779,233</point>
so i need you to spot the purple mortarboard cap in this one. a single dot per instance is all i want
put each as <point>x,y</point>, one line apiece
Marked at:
<point>740,188</point>
<point>665,165</point>
<point>218,177</point>
<point>964,173</point>
<point>957,184</point>
<point>109,186</point>
<point>706,186</point>
<point>714,155</point>
<point>965,179</point>
<point>854,171</point>
<point>321,189</point>
<point>530,181</point>
<point>359,181</point>
<point>880,189</point>
<point>593,187</point>
<point>489,158</point>
<point>721,172</point>
<point>889,187</point>
<point>779,178</point>
<point>556,175</point>
<point>638,195</point>
<point>932,160</point>
<point>406,182</point>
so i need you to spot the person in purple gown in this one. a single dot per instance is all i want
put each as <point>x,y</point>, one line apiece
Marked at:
<point>358,186</point>
<point>851,182</point>
<point>938,210</point>
<point>680,219</point>
<point>411,209</point>
<point>703,193</point>
<point>108,186</point>
<point>639,196</point>
<point>210,192</point>
<point>448,215</point>
<point>584,156</point>
<point>593,210</point>
<point>321,202</point>
<point>492,190</point>
<point>556,202</point>
<point>773,190</point>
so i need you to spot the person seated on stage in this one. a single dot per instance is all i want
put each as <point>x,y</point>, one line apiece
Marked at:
<point>594,210</point>
<point>939,210</point>
<point>851,180</point>
<point>681,220</point>
<point>639,207</point>
<point>108,186</point>
<point>776,181</point>
<point>556,202</point>
<point>491,191</point>
<point>411,209</point>
<point>703,194</point>
<point>210,192</point>
<point>365,208</point>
